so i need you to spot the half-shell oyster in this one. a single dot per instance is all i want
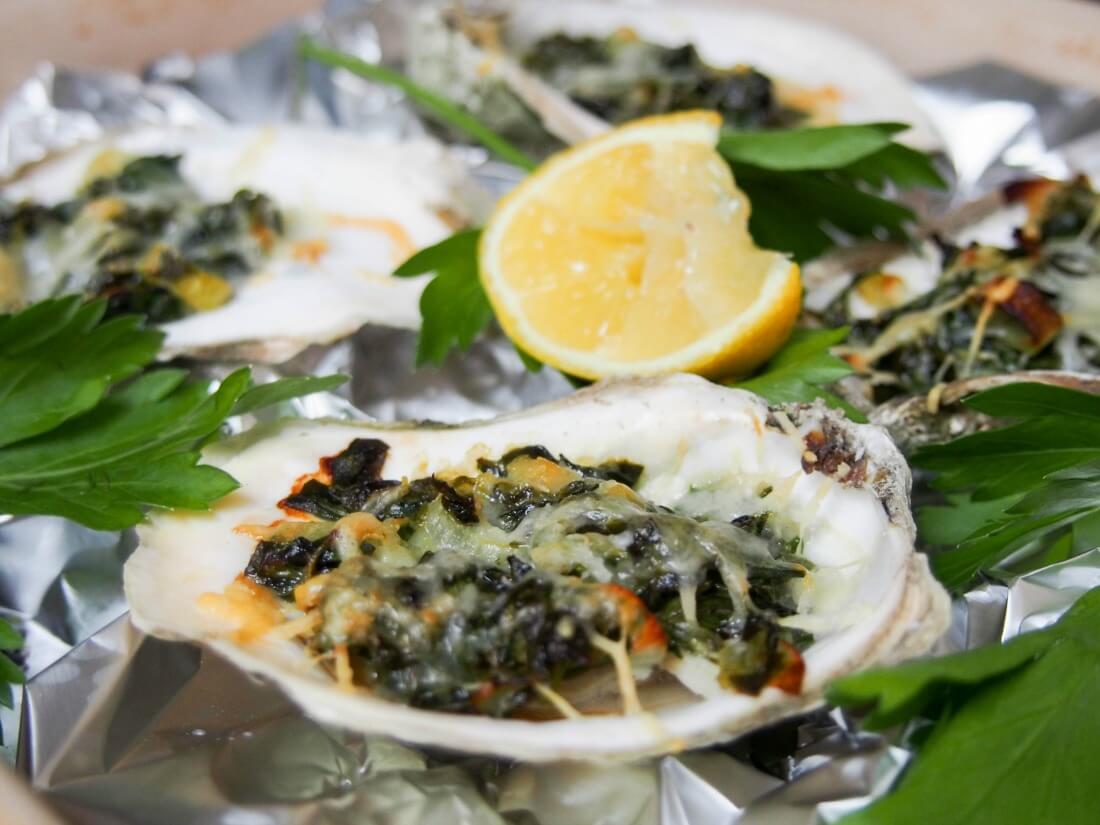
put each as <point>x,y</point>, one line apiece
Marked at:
<point>708,451</point>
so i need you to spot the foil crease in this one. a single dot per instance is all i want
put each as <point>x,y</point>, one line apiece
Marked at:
<point>116,727</point>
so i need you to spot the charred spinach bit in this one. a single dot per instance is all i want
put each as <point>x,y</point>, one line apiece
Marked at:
<point>230,238</point>
<point>281,567</point>
<point>139,175</point>
<point>355,473</point>
<point>761,652</point>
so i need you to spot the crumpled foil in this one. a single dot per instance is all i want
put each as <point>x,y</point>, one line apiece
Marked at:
<point>116,727</point>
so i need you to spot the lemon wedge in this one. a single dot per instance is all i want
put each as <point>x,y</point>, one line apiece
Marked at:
<point>630,254</point>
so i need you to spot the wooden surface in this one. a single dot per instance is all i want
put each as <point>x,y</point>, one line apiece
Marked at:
<point>1058,39</point>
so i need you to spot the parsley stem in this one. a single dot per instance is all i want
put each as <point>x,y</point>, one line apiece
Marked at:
<point>436,104</point>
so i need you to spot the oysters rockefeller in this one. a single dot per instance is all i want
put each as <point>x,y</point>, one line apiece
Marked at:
<point>641,567</point>
<point>247,242</point>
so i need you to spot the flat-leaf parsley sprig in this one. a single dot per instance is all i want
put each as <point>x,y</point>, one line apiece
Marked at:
<point>1029,489</point>
<point>1016,736</point>
<point>89,436</point>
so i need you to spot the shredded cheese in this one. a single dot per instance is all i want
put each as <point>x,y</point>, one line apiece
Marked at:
<point>687,600</point>
<point>560,703</point>
<point>786,424</point>
<point>628,688</point>
<point>977,336</point>
<point>935,395</point>
<point>301,626</point>
<point>343,667</point>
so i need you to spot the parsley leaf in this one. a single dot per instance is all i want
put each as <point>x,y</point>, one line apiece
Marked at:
<point>906,167</point>
<point>805,184</point>
<point>453,307</point>
<point>82,356</point>
<point>100,452</point>
<point>813,148</point>
<point>276,392</point>
<point>1017,490</point>
<point>10,672</point>
<point>800,371</point>
<point>1017,730</point>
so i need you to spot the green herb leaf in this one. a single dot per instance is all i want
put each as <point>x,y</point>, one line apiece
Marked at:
<point>529,361</point>
<point>799,371</point>
<point>439,106</point>
<point>1017,489</point>
<point>806,149</point>
<point>805,184</point>
<point>82,358</point>
<point>276,392</point>
<point>1005,712</point>
<point>10,672</point>
<point>958,520</point>
<point>9,639</point>
<point>1023,400</point>
<point>905,167</point>
<point>453,308</point>
<point>799,212</point>
<point>459,251</point>
<point>100,456</point>
<point>923,687</point>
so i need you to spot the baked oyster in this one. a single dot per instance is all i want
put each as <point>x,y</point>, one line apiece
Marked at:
<point>544,74</point>
<point>246,241</point>
<point>1012,293</point>
<point>641,567</point>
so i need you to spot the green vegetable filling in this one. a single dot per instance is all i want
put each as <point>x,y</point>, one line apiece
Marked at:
<point>622,77</point>
<point>995,310</point>
<point>139,237</point>
<point>477,593</point>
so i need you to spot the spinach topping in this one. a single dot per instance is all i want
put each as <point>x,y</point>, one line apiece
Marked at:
<point>994,310</point>
<point>622,77</point>
<point>141,238</point>
<point>477,593</point>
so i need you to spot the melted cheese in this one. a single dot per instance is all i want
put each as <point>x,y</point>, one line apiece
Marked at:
<point>252,609</point>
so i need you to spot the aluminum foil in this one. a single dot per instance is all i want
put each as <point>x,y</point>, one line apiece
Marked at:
<point>116,727</point>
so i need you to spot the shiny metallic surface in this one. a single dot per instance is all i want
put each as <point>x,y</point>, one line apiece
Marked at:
<point>121,728</point>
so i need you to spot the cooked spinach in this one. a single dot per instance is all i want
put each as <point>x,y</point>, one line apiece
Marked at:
<point>466,593</point>
<point>622,77</point>
<point>993,310</point>
<point>141,238</point>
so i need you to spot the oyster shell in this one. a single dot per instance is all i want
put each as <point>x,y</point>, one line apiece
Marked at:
<point>352,209</point>
<point>471,57</point>
<point>940,416</point>
<point>707,450</point>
